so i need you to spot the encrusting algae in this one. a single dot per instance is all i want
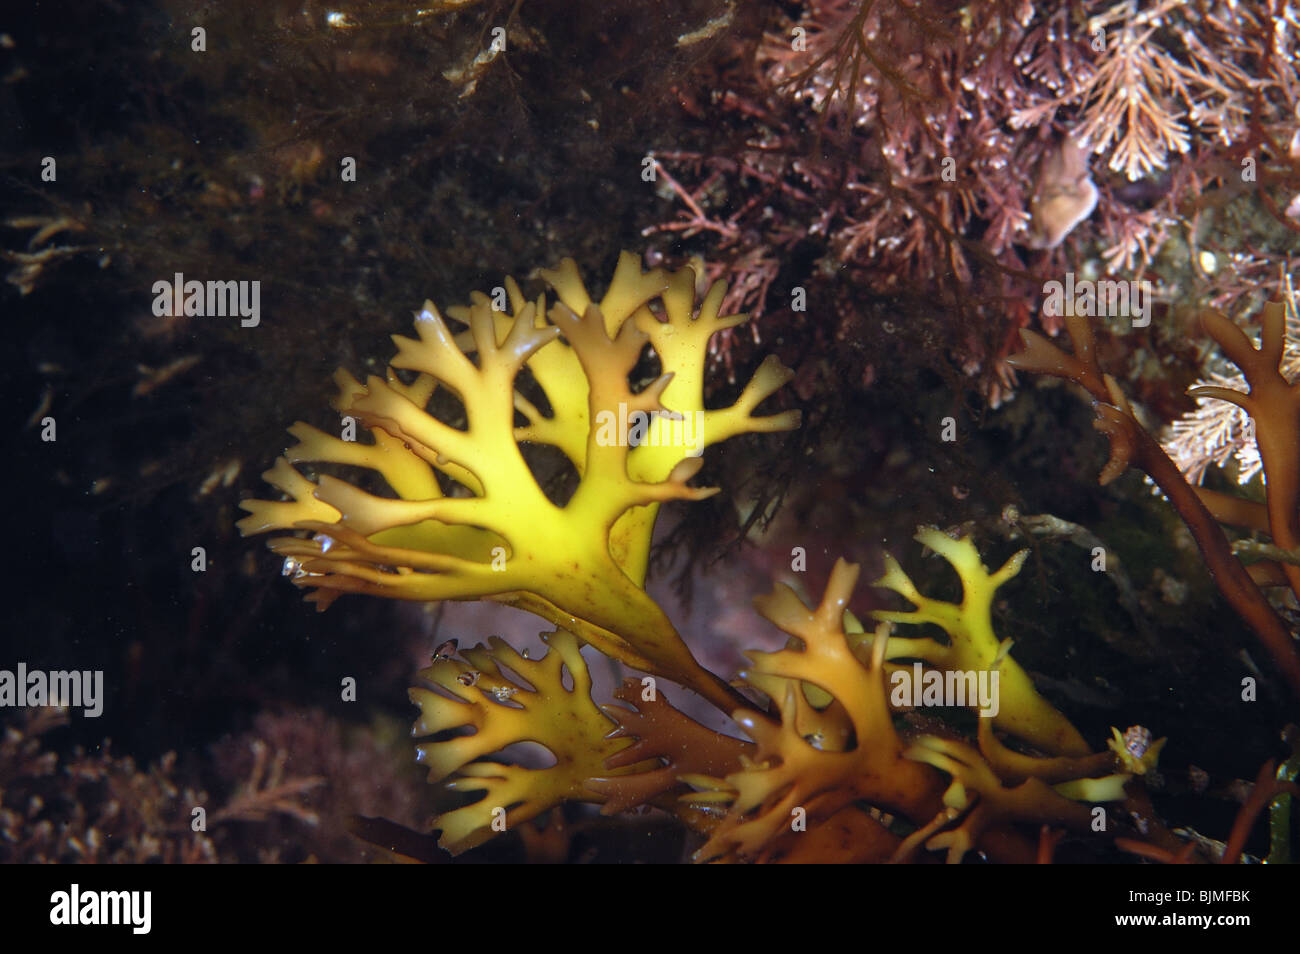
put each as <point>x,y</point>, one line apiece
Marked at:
<point>829,772</point>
